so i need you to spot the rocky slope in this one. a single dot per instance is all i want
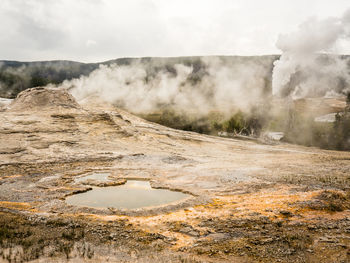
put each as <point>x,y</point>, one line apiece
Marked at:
<point>251,201</point>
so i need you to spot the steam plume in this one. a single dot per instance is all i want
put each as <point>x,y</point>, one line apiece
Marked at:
<point>303,70</point>
<point>218,83</point>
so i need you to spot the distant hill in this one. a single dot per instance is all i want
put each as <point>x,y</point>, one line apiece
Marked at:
<point>17,76</point>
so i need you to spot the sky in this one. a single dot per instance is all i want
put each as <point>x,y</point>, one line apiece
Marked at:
<point>99,30</point>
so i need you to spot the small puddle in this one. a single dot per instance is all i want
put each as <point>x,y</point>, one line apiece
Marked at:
<point>132,195</point>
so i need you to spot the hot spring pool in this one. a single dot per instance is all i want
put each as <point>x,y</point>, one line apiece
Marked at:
<point>132,195</point>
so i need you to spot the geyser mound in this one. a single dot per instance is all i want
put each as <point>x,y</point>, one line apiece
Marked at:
<point>43,99</point>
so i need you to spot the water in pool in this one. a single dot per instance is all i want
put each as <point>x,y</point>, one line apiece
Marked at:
<point>132,195</point>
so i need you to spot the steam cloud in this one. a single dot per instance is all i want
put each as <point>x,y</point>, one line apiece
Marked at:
<point>217,85</point>
<point>303,70</point>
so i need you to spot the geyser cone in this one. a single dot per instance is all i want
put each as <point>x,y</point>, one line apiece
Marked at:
<point>42,99</point>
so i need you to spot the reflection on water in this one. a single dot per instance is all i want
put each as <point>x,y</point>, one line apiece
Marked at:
<point>132,195</point>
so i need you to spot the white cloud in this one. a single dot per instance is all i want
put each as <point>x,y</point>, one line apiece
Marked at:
<point>58,29</point>
<point>90,43</point>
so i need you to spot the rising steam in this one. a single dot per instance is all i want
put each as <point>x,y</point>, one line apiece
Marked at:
<point>218,84</point>
<point>304,69</point>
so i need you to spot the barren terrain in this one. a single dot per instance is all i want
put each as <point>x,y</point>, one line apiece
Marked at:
<point>252,201</point>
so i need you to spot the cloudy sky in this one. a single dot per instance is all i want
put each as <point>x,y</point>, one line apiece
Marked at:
<point>98,30</point>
